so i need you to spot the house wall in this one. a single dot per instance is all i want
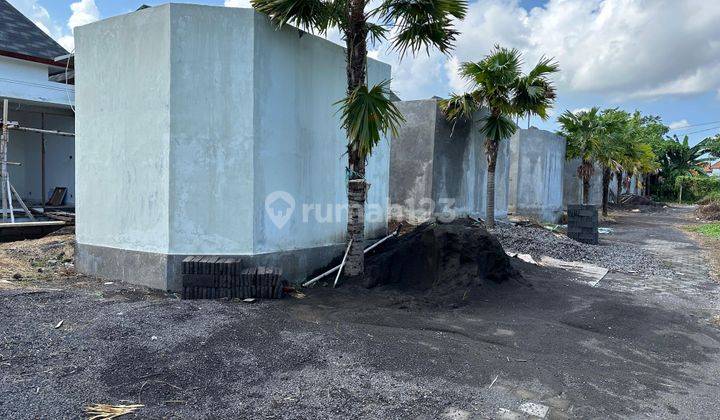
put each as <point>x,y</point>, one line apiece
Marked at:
<point>28,81</point>
<point>572,185</point>
<point>537,163</point>
<point>25,148</point>
<point>428,163</point>
<point>213,109</point>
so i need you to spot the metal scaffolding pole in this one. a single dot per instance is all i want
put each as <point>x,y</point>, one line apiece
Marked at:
<point>3,162</point>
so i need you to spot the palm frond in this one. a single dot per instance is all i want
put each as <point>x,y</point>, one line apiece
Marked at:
<point>459,107</point>
<point>308,15</point>
<point>497,127</point>
<point>367,115</point>
<point>421,24</point>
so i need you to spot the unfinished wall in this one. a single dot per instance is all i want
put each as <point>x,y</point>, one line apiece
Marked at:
<point>537,163</point>
<point>427,163</point>
<point>211,110</point>
<point>26,148</point>
<point>572,185</point>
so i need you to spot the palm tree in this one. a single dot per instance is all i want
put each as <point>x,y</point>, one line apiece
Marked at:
<point>583,132</point>
<point>367,112</point>
<point>498,84</point>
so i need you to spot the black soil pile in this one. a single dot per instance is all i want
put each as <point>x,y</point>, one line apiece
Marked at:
<point>709,211</point>
<point>633,201</point>
<point>455,258</point>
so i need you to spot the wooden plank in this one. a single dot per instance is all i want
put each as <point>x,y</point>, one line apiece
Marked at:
<point>22,203</point>
<point>31,224</point>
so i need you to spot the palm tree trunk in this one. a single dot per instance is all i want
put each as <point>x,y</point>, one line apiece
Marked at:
<point>356,45</point>
<point>491,148</point>
<point>618,181</point>
<point>606,190</point>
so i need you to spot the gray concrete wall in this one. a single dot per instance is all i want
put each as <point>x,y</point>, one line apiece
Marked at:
<point>428,163</point>
<point>537,163</point>
<point>204,112</point>
<point>25,148</point>
<point>572,184</point>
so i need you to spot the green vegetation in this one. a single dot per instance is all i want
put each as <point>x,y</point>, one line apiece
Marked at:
<point>695,187</point>
<point>613,139</point>
<point>711,230</point>
<point>368,112</point>
<point>498,84</point>
<point>682,165</point>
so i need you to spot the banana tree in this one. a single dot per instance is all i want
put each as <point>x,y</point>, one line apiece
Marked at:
<point>409,26</point>
<point>499,85</point>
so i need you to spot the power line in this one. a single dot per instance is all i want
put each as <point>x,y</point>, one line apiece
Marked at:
<point>694,125</point>
<point>700,131</point>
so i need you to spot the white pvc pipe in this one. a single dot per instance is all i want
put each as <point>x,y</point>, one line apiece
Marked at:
<point>368,249</point>
<point>9,195</point>
<point>342,264</point>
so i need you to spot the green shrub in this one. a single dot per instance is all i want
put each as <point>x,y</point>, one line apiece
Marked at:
<point>696,187</point>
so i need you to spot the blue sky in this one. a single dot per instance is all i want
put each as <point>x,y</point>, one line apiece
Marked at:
<point>659,56</point>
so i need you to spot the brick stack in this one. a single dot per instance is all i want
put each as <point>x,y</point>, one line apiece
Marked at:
<point>225,277</point>
<point>583,224</point>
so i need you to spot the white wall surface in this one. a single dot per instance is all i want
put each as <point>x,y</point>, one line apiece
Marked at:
<point>188,116</point>
<point>123,131</point>
<point>26,80</point>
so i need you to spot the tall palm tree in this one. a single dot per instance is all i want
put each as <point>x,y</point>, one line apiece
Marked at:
<point>498,84</point>
<point>367,112</point>
<point>583,132</point>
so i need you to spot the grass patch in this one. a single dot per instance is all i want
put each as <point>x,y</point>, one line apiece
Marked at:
<point>711,230</point>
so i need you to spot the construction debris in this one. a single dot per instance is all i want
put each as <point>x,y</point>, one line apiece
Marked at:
<point>709,211</point>
<point>107,411</point>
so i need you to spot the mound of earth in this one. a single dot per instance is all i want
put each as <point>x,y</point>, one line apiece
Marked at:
<point>709,211</point>
<point>460,256</point>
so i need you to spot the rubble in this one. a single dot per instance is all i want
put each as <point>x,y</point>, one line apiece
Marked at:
<point>709,211</point>
<point>612,255</point>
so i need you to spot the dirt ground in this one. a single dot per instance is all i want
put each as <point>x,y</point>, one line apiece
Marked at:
<point>630,347</point>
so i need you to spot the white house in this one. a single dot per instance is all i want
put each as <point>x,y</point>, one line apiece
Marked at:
<point>34,81</point>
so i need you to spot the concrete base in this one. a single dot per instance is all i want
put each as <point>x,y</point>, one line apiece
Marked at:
<point>163,271</point>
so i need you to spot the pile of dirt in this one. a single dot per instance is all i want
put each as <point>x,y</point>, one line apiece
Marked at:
<point>42,258</point>
<point>611,255</point>
<point>447,259</point>
<point>709,211</point>
<point>634,201</point>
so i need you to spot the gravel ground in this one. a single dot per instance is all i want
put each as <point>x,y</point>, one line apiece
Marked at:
<point>615,256</point>
<point>580,351</point>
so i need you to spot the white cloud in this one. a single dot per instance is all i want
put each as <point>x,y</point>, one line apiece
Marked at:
<point>678,124</point>
<point>634,48</point>
<point>83,12</point>
<point>237,3</point>
<point>579,110</point>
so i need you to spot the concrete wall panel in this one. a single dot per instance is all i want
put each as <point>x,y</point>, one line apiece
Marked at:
<point>123,131</point>
<point>536,174</point>
<point>433,161</point>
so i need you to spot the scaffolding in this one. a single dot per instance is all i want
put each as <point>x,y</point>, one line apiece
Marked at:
<point>7,191</point>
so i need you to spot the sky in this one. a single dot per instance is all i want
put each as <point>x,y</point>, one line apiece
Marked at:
<point>661,57</point>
